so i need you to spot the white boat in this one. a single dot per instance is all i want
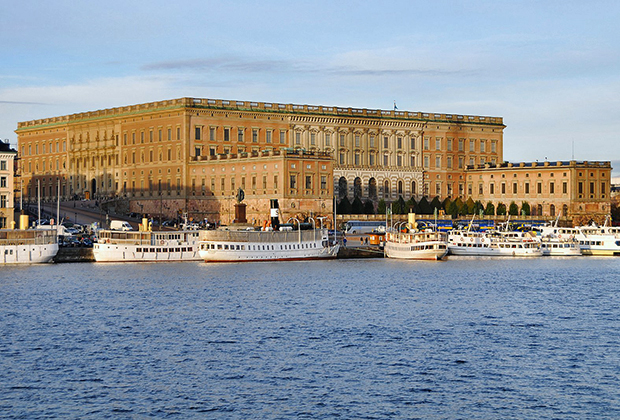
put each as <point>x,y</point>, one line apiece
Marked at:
<point>224,245</point>
<point>416,245</point>
<point>592,239</point>
<point>493,244</point>
<point>29,246</point>
<point>556,244</point>
<point>146,246</point>
<point>243,242</point>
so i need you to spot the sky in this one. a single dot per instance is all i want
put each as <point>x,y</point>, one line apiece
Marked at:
<point>550,68</point>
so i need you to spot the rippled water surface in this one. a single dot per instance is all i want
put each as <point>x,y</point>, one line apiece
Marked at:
<point>465,338</point>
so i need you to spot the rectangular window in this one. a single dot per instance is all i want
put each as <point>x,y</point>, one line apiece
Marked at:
<point>357,140</point>
<point>313,139</point>
<point>426,143</point>
<point>472,145</point>
<point>449,162</point>
<point>268,136</point>
<point>412,140</point>
<point>385,142</point>
<point>399,160</point>
<point>3,182</point>
<point>178,133</point>
<point>357,159</point>
<point>3,201</point>
<point>460,162</point>
<point>297,137</point>
<point>551,188</point>
<point>212,133</point>
<point>293,181</point>
<point>169,134</point>
<point>371,159</point>
<point>482,146</point>
<point>493,146</point>
<point>197,133</point>
<point>399,142</point>
<point>449,145</point>
<point>323,182</point>
<point>591,184</point>
<point>385,160</point>
<point>308,182</point>
<point>328,139</point>
<point>227,134</point>
<point>275,182</point>
<point>503,188</point>
<point>491,189</point>
<point>527,187</point>
<point>514,187</point>
<point>461,143</point>
<point>564,188</point>
<point>342,139</point>
<point>438,143</point>
<point>264,182</point>
<point>437,162</point>
<point>282,137</point>
<point>2,165</point>
<point>426,161</point>
<point>341,158</point>
<point>372,141</point>
<point>240,134</point>
<point>480,189</point>
<point>539,188</point>
<point>580,189</point>
<point>198,151</point>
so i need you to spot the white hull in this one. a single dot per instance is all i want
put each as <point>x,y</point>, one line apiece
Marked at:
<point>559,248</point>
<point>239,246</point>
<point>168,246</point>
<point>494,252</point>
<point>27,253</point>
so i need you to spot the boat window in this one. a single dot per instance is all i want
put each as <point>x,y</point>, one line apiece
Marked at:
<point>219,246</point>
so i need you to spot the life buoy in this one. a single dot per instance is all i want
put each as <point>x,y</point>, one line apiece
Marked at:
<point>162,242</point>
<point>471,239</point>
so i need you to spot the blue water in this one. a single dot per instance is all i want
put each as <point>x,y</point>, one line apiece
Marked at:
<point>352,339</point>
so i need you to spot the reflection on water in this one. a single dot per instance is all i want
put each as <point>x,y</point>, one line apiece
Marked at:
<point>465,338</point>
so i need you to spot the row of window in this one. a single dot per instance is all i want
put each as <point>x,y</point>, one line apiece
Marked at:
<point>151,136</point>
<point>461,144</point>
<point>226,132</point>
<point>52,146</point>
<point>237,247</point>
<point>373,160</point>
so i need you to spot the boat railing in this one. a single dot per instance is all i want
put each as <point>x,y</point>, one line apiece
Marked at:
<point>27,237</point>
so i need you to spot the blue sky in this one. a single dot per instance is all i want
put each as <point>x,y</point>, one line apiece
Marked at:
<point>551,69</point>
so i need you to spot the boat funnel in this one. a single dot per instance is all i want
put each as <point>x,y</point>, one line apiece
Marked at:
<point>275,213</point>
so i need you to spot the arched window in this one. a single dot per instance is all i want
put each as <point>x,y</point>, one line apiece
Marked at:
<point>539,210</point>
<point>386,189</point>
<point>372,188</point>
<point>413,188</point>
<point>342,187</point>
<point>552,210</point>
<point>564,210</point>
<point>400,187</point>
<point>357,188</point>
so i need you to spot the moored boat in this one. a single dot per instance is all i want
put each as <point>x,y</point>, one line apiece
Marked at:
<point>241,242</point>
<point>416,245</point>
<point>30,246</point>
<point>146,246</point>
<point>493,244</point>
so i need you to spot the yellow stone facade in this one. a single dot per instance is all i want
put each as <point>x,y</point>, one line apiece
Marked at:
<point>579,191</point>
<point>159,150</point>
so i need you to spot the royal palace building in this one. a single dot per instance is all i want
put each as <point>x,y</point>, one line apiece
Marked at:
<point>192,154</point>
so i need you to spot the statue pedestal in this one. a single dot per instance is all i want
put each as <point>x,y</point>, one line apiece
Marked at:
<point>240,213</point>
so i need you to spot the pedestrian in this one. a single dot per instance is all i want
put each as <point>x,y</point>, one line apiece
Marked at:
<point>344,241</point>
